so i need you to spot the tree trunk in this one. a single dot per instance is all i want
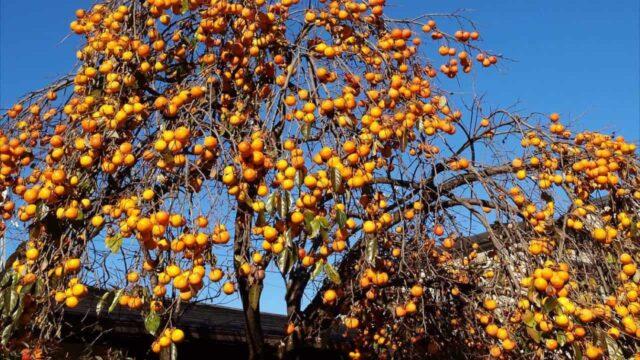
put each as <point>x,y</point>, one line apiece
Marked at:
<point>295,289</point>
<point>255,338</point>
<point>251,307</point>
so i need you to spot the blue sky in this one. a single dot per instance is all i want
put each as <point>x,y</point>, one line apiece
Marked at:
<point>578,58</point>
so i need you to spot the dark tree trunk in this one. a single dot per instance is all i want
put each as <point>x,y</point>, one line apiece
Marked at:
<point>295,289</point>
<point>255,338</point>
<point>242,241</point>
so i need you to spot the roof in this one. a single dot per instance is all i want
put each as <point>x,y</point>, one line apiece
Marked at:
<point>484,241</point>
<point>202,321</point>
<point>86,334</point>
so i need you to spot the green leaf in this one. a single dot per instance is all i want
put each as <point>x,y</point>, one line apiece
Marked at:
<point>40,288</point>
<point>185,6</point>
<point>613,349</point>
<point>238,260</point>
<point>254,296</point>
<point>80,215</point>
<point>577,352</point>
<point>298,179</point>
<point>610,258</point>
<point>41,210</point>
<point>324,223</point>
<point>9,282</point>
<point>336,179</point>
<point>561,338</point>
<point>319,266</point>
<point>341,218</point>
<point>315,228</point>
<point>152,322</point>
<point>13,300</point>
<point>6,334</point>
<point>102,302</point>
<point>532,295</point>
<point>318,223</point>
<point>306,131</point>
<point>550,304</point>
<point>25,289</point>
<point>6,307</point>
<point>376,145</point>
<point>533,334</point>
<point>528,319</point>
<point>18,313</point>
<point>442,102</point>
<point>332,274</point>
<point>270,206</point>
<point>116,299</point>
<point>96,92</point>
<point>371,249</point>
<point>285,261</point>
<point>193,41</point>
<point>174,351</point>
<point>6,280</point>
<point>308,218</point>
<point>114,243</point>
<point>288,241</point>
<point>285,204</point>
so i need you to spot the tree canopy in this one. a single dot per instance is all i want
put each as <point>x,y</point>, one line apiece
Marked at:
<point>201,146</point>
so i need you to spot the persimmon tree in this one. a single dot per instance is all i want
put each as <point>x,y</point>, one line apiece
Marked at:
<point>201,146</point>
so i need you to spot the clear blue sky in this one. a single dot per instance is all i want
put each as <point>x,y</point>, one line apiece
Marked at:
<point>579,58</point>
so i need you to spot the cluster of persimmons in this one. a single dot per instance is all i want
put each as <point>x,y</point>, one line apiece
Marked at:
<point>310,138</point>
